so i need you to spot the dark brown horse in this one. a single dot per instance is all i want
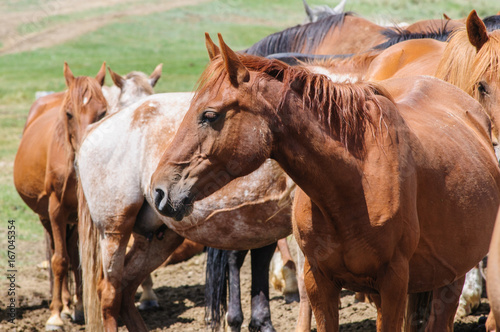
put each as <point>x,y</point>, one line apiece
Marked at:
<point>398,180</point>
<point>45,177</point>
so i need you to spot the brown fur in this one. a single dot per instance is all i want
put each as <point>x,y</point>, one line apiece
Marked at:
<point>44,174</point>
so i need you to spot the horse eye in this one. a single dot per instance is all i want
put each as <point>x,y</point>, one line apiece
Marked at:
<point>209,116</point>
<point>482,88</point>
<point>69,115</point>
<point>100,116</point>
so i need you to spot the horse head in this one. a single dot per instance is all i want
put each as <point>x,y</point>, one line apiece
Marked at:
<point>471,61</point>
<point>83,104</point>
<point>135,85</point>
<point>201,159</point>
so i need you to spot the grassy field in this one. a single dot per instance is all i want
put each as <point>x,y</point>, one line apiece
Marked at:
<point>173,37</point>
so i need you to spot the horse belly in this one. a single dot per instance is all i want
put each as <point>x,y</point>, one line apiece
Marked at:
<point>456,223</point>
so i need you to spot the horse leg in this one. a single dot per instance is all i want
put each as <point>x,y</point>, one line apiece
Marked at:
<point>444,306</point>
<point>289,272</point>
<point>143,258</point>
<point>234,316</point>
<point>115,234</point>
<point>59,261</point>
<point>261,313</point>
<point>305,312</point>
<point>324,295</point>
<point>393,290</point>
<point>148,300</point>
<point>77,315</point>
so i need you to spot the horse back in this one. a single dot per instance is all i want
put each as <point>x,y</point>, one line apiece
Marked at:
<point>41,105</point>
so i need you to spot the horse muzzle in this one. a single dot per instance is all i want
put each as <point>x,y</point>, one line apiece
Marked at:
<point>172,208</point>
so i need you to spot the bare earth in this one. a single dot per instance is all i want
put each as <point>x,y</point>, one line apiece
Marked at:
<point>180,289</point>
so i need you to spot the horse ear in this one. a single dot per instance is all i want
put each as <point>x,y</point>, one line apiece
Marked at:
<point>212,49</point>
<point>68,75</point>
<point>476,30</point>
<point>446,17</point>
<point>155,75</point>
<point>237,71</point>
<point>308,11</point>
<point>117,79</point>
<point>101,75</point>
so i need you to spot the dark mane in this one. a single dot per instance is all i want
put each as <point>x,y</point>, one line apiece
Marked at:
<point>397,35</point>
<point>341,107</point>
<point>492,22</point>
<point>300,38</point>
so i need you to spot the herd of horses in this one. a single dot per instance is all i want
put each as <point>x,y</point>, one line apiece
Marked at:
<point>375,146</point>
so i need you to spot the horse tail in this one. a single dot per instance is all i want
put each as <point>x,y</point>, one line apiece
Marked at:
<point>418,309</point>
<point>216,278</point>
<point>90,260</point>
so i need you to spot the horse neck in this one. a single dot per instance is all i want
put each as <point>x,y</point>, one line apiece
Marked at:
<point>316,160</point>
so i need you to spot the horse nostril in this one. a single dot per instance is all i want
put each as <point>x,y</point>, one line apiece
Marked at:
<point>159,199</point>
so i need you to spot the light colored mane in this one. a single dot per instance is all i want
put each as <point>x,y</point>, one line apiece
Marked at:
<point>461,64</point>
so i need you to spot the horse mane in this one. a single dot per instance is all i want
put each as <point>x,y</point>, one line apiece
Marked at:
<point>397,35</point>
<point>346,64</point>
<point>343,108</point>
<point>300,38</point>
<point>492,22</point>
<point>463,66</point>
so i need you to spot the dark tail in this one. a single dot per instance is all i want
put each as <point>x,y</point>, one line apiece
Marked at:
<point>418,309</point>
<point>216,286</point>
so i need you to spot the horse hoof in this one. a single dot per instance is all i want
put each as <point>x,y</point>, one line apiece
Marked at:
<point>78,317</point>
<point>50,327</point>
<point>148,305</point>
<point>292,297</point>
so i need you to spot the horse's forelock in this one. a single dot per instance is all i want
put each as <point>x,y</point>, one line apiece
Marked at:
<point>463,66</point>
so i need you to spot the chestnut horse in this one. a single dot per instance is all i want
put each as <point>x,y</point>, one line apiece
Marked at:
<point>470,60</point>
<point>45,179</point>
<point>383,207</point>
<point>346,33</point>
<point>493,279</point>
<point>115,163</point>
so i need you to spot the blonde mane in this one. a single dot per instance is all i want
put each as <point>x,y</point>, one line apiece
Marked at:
<point>463,66</point>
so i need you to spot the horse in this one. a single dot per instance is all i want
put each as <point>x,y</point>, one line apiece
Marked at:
<point>376,164</point>
<point>115,164</point>
<point>45,179</point>
<point>319,12</point>
<point>130,88</point>
<point>492,281</point>
<point>345,33</point>
<point>127,89</point>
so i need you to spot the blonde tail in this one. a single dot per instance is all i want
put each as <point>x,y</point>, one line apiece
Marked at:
<point>90,260</point>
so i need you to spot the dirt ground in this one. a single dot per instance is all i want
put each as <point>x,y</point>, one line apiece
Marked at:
<point>180,289</point>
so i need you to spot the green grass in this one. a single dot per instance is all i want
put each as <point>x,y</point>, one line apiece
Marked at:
<point>175,38</point>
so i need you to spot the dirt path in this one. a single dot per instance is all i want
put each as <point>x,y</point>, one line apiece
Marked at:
<point>14,42</point>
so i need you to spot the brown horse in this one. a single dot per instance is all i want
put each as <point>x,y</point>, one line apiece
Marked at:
<point>493,279</point>
<point>45,177</point>
<point>346,33</point>
<point>470,60</point>
<point>384,208</point>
